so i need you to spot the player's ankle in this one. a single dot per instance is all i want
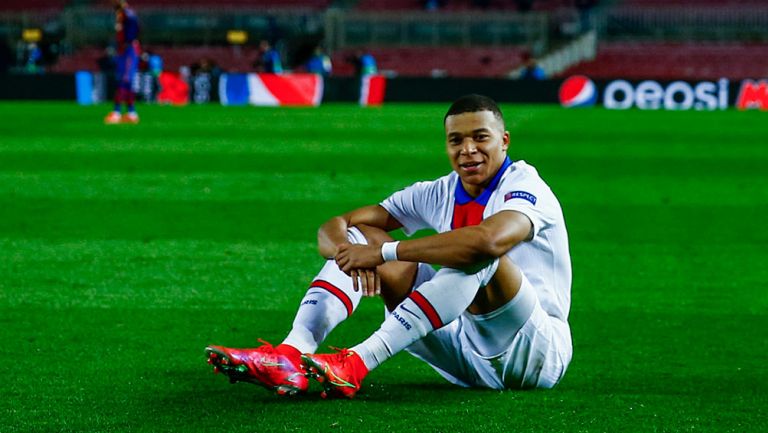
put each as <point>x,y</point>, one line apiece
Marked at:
<point>360,367</point>
<point>290,352</point>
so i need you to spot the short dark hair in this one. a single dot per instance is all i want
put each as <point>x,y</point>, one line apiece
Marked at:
<point>473,103</point>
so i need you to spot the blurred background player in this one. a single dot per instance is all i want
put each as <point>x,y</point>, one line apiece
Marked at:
<point>319,63</point>
<point>268,59</point>
<point>531,69</point>
<point>128,49</point>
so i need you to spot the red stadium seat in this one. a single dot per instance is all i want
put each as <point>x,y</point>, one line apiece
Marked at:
<point>252,4</point>
<point>426,61</point>
<point>453,5</point>
<point>33,5</point>
<point>692,3</point>
<point>405,61</point>
<point>228,58</point>
<point>641,60</point>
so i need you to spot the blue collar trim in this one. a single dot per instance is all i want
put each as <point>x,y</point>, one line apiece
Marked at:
<point>462,197</point>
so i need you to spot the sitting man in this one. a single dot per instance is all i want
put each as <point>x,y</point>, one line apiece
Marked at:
<point>494,316</point>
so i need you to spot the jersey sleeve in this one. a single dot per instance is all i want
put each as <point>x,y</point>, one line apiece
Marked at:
<point>531,197</point>
<point>414,206</point>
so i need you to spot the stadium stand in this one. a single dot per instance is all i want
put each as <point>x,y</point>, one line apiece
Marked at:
<point>638,38</point>
<point>227,58</point>
<point>403,61</point>
<point>692,3</point>
<point>428,61</point>
<point>253,4</point>
<point>456,5</point>
<point>662,60</point>
<point>32,5</point>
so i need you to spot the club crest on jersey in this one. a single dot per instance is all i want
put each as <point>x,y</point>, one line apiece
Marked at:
<point>520,194</point>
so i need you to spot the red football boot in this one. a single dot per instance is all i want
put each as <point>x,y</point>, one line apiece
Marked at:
<point>341,374</point>
<point>130,117</point>
<point>113,118</point>
<point>277,368</point>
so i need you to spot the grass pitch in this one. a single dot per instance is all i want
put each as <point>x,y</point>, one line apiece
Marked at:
<point>125,250</point>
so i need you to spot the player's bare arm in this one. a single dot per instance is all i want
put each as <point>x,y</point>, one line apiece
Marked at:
<point>332,236</point>
<point>461,248</point>
<point>333,232</point>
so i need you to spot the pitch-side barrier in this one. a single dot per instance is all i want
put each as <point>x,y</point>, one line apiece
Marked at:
<point>312,90</point>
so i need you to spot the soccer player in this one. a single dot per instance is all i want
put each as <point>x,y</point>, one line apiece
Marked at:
<point>494,316</point>
<point>128,49</point>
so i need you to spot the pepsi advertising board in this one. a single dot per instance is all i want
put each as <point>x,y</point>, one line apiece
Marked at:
<point>581,91</point>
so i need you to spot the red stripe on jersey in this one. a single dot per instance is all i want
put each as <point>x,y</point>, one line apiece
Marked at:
<point>336,292</point>
<point>428,309</point>
<point>468,214</point>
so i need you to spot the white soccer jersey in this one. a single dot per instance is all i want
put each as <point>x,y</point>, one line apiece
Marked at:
<point>443,204</point>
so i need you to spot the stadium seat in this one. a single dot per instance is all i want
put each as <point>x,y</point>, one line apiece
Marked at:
<point>404,61</point>
<point>659,60</point>
<point>228,58</point>
<point>453,5</point>
<point>692,3</point>
<point>429,61</point>
<point>254,4</point>
<point>32,5</point>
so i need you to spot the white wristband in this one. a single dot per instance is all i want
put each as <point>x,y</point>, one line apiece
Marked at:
<point>389,251</point>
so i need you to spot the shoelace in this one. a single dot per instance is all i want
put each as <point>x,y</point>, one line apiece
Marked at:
<point>272,353</point>
<point>266,343</point>
<point>342,352</point>
<point>332,377</point>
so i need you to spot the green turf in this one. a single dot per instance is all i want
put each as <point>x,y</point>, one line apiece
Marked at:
<point>125,250</point>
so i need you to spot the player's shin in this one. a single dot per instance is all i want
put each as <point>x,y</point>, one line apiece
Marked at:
<point>329,300</point>
<point>435,303</point>
<point>119,98</point>
<point>130,102</point>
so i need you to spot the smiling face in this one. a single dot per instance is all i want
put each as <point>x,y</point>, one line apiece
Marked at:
<point>477,144</point>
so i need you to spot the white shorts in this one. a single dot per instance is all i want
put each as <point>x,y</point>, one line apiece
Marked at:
<point>533,351</point>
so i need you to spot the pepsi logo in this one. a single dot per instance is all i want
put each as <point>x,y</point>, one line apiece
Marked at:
<point>578,91</point>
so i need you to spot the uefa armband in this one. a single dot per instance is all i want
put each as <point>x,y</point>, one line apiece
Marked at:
<point>389,251</point>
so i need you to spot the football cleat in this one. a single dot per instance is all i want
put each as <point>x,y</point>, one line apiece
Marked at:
<point>130,117</point>
<point>113,118</point>
<point>276,368</point>
<point>341,374</point>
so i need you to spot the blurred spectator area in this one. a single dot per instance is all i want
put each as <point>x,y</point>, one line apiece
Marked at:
<point>224,4</point>
<point>438,61</point>
<point>228,58</point>
<point>458,5</point>
<point>481,38</point>
<point>32,5</point>
<point>664,60</point>
<point>692,3</point>
<point>404,61</point>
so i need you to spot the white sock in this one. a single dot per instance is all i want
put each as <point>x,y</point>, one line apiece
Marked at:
<point>329,300</point>
<point>433,304</point>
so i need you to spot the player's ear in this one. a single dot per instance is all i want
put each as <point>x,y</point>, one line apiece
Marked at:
<point>505,141</point>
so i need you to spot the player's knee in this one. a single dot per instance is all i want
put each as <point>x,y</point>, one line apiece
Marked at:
<point>374,235</point>
<point>502,288</point>
<point>508,276</point>
<point>397,278</point>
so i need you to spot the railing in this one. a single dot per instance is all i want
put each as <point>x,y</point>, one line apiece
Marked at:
<point>89,26</point>
<point>340,29</point>
<point>350,29</point>
<point>12,23</point>
<point>686,23</point>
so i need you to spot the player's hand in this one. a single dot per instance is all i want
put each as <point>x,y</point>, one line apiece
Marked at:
<point>366,279</point>
<point>354,257</point>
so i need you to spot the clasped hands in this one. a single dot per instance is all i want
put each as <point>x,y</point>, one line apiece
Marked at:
<point>360,262</point>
